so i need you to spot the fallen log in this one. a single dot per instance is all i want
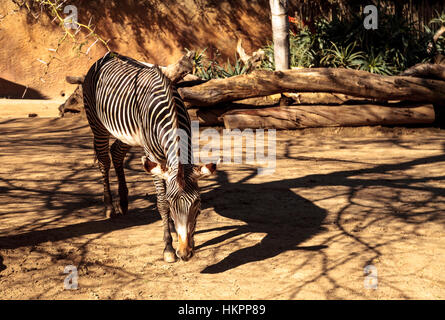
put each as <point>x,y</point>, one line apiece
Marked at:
<point>304,98</point>
<point>322,98</point>
<point>74,103</point>
<point>271,100</point>
<point>211,117</point>
<point>208,116</point>
<point>426,70</point>
<point>346,81</point>
<point>292,117</point>
<point>177,71</point>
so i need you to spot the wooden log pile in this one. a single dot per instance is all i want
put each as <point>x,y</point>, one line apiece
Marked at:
<point>319,97</point>
<point>346,81</point>
<point>311,97</point>
<point>292,117</point>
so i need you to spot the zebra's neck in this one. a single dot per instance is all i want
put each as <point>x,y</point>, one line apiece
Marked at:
<point>179,148</point>
<point>168,124</point>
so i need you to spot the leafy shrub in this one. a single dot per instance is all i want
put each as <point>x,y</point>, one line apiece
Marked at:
<point>210,68</point>
<point>375,63</point>
<point>395,46</point>
<point>343,57</point>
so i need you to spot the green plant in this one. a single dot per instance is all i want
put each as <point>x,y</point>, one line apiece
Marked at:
<point>439,19</point>
<point>229,71</point>
<point>301,49</point>
<point>376,64</point>
<point>268,62</point>
<point>197,59</point>
<point>209,71</point>
<point>343,57</point>
<point>343,42</point>
<point>210,68</point>
<point>204,68</point>
<point>439,44</point>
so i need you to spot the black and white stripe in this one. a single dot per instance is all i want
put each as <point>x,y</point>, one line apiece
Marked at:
<point>137,105</point>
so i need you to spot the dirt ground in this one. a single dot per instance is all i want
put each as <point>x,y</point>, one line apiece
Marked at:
<point>341,199</point>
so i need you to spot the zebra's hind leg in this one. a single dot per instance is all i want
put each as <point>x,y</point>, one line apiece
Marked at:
<point>171,225</point>
<point>118,151</point>
<point>164,211</point>
<point>101,147</point>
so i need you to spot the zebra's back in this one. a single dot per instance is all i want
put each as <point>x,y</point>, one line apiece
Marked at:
<point>133,102</point>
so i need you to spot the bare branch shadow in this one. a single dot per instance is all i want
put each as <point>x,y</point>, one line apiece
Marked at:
<point>286,218</point>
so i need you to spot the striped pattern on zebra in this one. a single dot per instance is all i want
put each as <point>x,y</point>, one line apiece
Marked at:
<point>139,106</point>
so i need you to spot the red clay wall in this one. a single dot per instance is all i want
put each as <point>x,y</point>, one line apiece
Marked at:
<point>156,31</point>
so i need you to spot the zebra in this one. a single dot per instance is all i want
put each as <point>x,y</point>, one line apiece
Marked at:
<point>139,106</point>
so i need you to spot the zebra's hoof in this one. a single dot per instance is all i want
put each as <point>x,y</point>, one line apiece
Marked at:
<point>123,208</point>
<point>169,256</point>
<point>110,213</point>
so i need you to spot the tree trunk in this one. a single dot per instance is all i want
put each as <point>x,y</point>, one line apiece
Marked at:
<point>346,81</point>
<point>292,117</point>
<point>280,29</point>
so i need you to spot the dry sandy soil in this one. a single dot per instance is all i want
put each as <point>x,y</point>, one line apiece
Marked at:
<point>340,199</point>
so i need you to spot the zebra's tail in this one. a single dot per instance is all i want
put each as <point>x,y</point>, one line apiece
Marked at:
<point>75,80</point>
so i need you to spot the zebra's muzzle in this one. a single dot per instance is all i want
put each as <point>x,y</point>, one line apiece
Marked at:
<point>184,251</point>
<point>184,255</point>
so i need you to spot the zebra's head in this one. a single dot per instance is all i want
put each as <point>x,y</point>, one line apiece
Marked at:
<point>182,195</point>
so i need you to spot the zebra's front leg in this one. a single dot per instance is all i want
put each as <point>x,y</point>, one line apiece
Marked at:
<point>118,151</point>
<point>164,211</point>
<point>101,147</point>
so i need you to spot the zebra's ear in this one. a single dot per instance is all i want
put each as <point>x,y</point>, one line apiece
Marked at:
<point>154,168</point>
<point>204,170</point>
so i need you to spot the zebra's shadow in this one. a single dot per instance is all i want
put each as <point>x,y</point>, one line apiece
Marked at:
<point>269,208</point>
